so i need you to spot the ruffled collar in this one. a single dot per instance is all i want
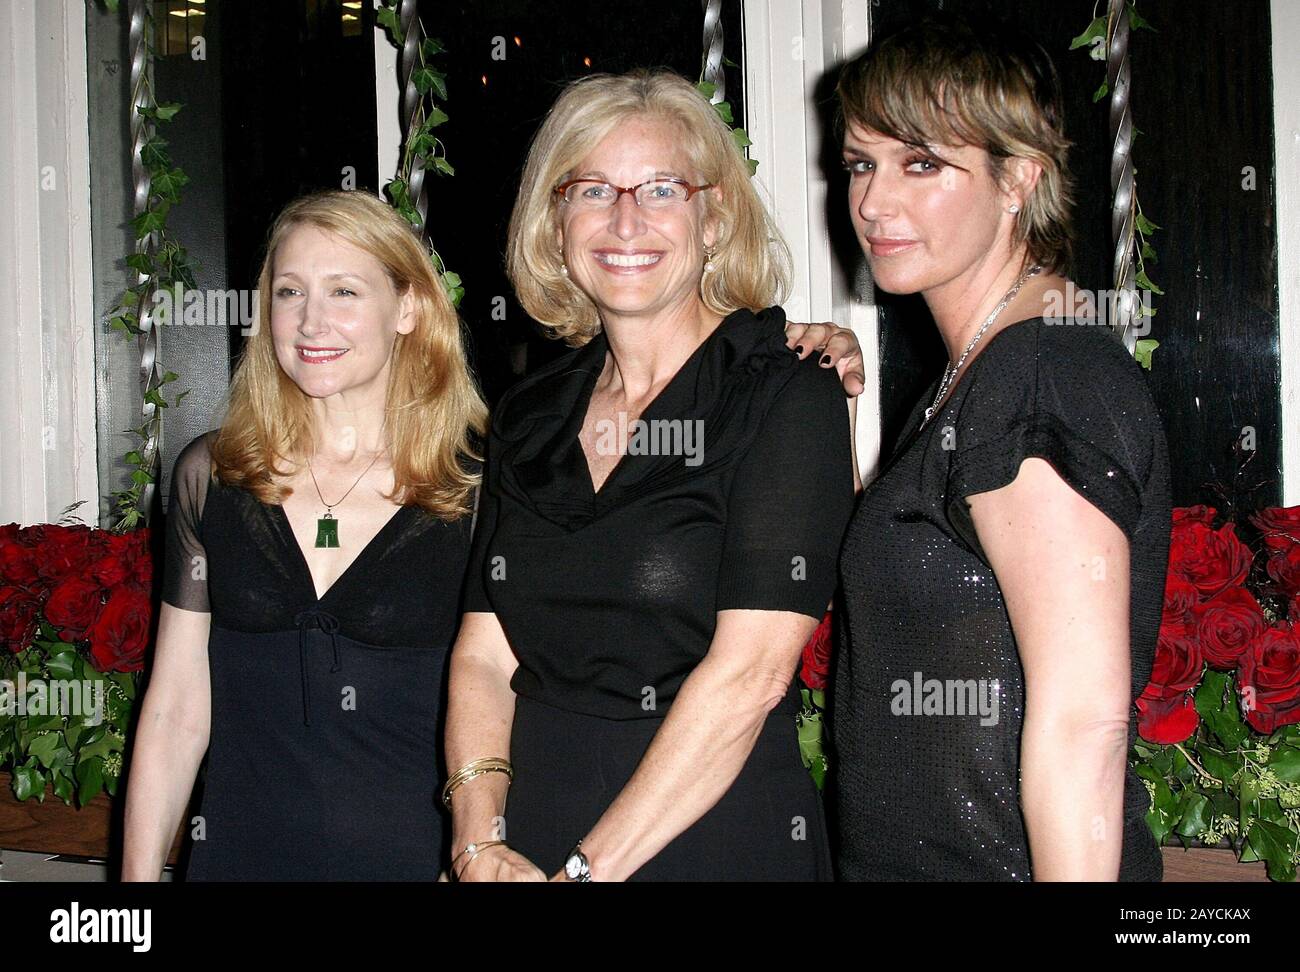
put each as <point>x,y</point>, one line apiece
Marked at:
<point>724,388</point>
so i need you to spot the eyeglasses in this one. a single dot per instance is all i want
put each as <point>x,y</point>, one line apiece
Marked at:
<point>655,194</point>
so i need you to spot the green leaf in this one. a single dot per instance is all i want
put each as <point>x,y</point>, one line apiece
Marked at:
<point>43,747</point>
<point>1142,351</point>
<point>63,788</point>
<point>90,779</point>
<point>111,5</point>
<point>432,47</point>
<point>167,110</point>
<point>152,155</point>
<point>1136,21</point>
<point>1274,845</point>
<point>1146,283</point>
<point>168,184</point>
<point>451,279</point>
<point>140,262</point>
<point>1284,761</point>
<point>386,17</point>
<point>1095,29</point>
<point>1100,92</point>
<point>435,117</point>
<point>443,166</point>
<point>1218,765</point>
<point>707,89</point>
<point>724,112</point>
<point>422,78</point>
<point>739,136</point>
<point>146,223</point>
<point>61,664</point>
<point>1145,226</point>
<point>27,781</point>
<point>1196,815</point>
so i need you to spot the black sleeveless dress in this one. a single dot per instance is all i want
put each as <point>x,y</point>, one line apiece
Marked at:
<point>324,757</point>
<point>609,599</point>
<point>926,792</point>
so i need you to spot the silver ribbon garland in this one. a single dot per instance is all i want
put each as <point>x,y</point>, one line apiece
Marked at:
<point>408,61</point>
<point>713,72</point>
<point>142,129</point>
<point>1123,212</point>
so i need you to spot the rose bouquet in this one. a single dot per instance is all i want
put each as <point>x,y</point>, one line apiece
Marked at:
<point>1219,723</point>
<point>75,618</point>
<point>813,672</point>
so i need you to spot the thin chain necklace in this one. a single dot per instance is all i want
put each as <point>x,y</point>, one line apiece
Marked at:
<point>950,372</point>
<point>327,527</point>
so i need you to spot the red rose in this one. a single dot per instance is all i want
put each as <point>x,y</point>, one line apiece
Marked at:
<point>68,550</point>
<point>73,607</point>
<point>1283,564</point>
<point>1278,519</point>
<point>1208,559</point>
<point>1194,514</point>
<point>19,613</point>
<point>1226,625</point>
<point>1166,721</point>
<point>1269,679</point>
<point>1180,598</point>
<point>1178,664</point>
<point>817,655</point>
<point>126,558</point>
<point>17,560</point>
<point>120,636</point>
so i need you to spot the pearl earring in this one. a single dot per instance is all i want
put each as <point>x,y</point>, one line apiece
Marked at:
<point>1013,209</point>
<point>709,266</point>
<point>564,270</point>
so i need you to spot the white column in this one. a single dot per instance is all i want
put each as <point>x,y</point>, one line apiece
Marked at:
<point>47,314</point>
<point>388,123</point>
<point>790,46</point>
<point>1286,129</point>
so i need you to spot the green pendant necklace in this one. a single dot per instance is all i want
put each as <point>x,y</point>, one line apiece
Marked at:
<point>327,527</point>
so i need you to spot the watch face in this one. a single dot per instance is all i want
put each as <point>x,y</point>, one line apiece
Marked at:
<point>573,866</point>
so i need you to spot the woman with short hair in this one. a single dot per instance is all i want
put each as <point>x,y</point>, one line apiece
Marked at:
<point>1003,576</point>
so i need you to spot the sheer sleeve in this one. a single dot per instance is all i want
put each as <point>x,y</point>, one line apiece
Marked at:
<point>185,573</point>
<point>1066,393</point>
<point>790,500</point>
<point>474,594</point>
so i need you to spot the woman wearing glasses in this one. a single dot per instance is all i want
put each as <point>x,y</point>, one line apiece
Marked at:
<point>659,525</point>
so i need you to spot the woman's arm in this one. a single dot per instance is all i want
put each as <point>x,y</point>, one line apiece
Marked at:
<point>1063,568</point>
<point>480,713</point>
<point>169,742</point>
<point>703,742</point>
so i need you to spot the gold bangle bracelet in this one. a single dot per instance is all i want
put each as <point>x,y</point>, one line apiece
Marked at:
<point>477,850</point>
<point>488,764</point>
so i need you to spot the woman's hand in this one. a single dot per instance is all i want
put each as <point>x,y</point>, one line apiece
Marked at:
<point>838,348</point>
<point>500,863</point>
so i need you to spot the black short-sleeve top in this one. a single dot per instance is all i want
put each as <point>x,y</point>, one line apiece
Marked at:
<point>933,793</point>
<point>735,496</point>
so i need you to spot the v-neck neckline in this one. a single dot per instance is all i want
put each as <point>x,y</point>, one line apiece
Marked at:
<point>305,567</point>
<point>584,403</point>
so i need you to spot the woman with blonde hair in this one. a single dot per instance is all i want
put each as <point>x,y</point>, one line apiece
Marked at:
<point>660,518</point>
<point>1003,576</point>
<point>316,544</point>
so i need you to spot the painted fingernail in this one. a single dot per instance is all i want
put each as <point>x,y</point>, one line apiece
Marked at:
<point>826,359</point>
<point>798,349</point>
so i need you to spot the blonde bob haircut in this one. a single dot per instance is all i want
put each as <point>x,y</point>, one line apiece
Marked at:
<point>751,259</point>
<point>433,404</point>
<point>948,80</point>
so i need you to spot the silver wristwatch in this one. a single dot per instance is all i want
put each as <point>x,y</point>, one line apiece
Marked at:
<point>576,867</point>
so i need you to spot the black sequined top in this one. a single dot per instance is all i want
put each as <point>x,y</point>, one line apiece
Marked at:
<point>920,795</point>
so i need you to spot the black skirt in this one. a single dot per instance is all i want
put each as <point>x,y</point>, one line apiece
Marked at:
<point>769,826</point>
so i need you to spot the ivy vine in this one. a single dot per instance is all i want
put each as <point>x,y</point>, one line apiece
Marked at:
<point>422,145</point>
<point>1095,38</point>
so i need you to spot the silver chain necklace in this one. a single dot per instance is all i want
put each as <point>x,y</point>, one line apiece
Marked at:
<point>950,372</point>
